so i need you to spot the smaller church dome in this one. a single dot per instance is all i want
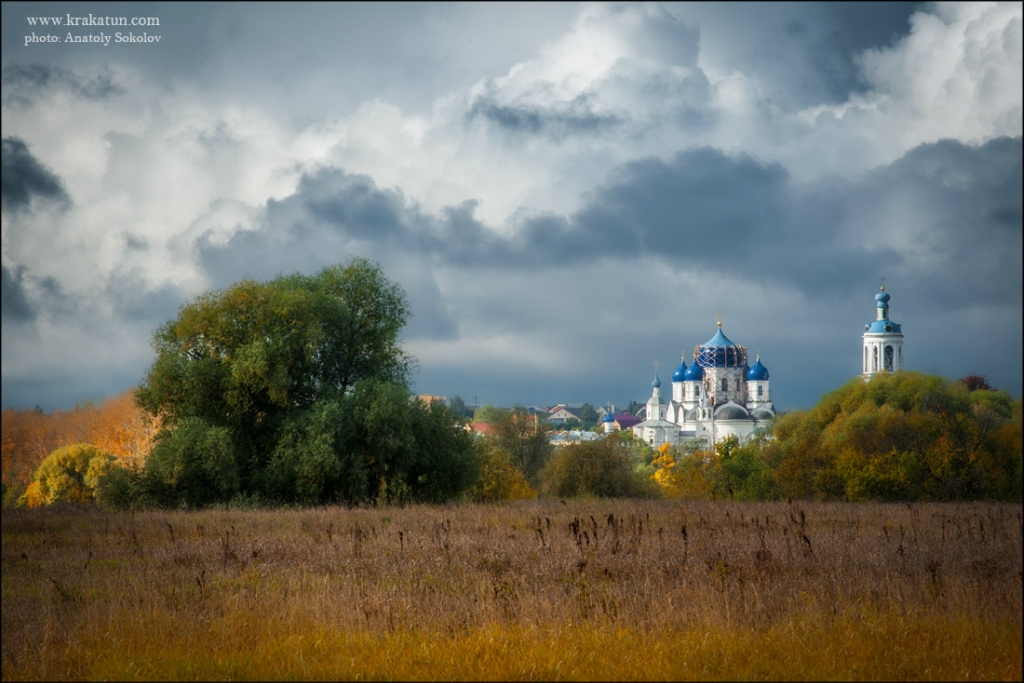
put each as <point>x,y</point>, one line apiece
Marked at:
<point>694,373</point>
<point>758,373</point>
<point>656,383</point>
<point>608,418</point>
<point>677,376</point>
<point>882,297</point>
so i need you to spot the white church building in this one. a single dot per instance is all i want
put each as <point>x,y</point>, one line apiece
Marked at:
<point>718,396</point>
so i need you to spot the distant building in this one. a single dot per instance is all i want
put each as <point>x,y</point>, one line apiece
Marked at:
<point>561,413</point>
<point>572,436</point>
<point>428,399</point>
<point>481,428</point>
<point>614,423</point>
<point>720,395</point>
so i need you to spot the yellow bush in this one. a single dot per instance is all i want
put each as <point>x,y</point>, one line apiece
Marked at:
<point>68,474</point>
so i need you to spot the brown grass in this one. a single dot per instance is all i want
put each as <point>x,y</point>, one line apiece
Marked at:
<point>534,590</point>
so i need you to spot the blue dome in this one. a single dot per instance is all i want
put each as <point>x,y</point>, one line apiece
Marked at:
<point>694,373</point>
<point>883,327</point>
<point>721,352</point>
<point>882,298</point>
<point>719,340</point>
<point>757,373</point>
<point>608,418</point>
<point>656,383</point>
<point>677,376</point>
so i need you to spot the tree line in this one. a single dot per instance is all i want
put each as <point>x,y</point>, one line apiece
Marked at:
<point>898,437</point>
<point>297,391</point>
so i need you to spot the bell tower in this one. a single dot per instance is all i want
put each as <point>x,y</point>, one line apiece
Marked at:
<point>883,341</point>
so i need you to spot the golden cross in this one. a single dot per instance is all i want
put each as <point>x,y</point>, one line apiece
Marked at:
<point>655,367</point>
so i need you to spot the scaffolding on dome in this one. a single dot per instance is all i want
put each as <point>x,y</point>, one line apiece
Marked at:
<point>720,356</point>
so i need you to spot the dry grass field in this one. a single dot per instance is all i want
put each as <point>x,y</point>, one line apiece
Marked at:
<point>612,590</point>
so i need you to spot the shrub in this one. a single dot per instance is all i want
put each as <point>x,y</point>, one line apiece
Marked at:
<point>604,468</point>
<point>68,474</point>
<point>499,479</point>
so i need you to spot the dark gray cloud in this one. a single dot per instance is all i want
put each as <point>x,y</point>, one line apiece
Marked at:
<point>25,178</point>
<point>965,205</point>
<point>802,54</point>
<point>574,118</point>
<point>702,211</point>
<point>22,83</point>
<point>15,306</point>
<point>26,296</point>
<point>134,300</point>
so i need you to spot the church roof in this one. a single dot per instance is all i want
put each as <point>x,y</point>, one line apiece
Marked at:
<point>719,340</point>
<point>657,423</point>
<point>731,411</point>
<point>883,327</point>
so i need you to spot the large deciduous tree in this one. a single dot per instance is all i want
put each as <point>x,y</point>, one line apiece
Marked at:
<point>302,385</point>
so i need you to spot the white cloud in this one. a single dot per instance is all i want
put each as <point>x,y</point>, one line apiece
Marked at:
<point>957,74</point>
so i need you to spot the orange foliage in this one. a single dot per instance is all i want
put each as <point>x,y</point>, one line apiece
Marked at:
<point>117,425</point>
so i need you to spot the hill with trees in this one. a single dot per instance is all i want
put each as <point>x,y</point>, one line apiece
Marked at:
<point>899,437</point>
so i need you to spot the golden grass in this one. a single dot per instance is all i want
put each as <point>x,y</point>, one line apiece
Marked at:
<point>539,590</point>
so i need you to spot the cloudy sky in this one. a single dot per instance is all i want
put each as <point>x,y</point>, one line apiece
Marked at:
<point>566,192</point>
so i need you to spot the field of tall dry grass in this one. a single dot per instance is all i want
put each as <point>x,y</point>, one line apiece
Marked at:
<point>597,589</point>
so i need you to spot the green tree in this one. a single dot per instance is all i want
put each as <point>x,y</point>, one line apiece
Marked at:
<point>499,480</point>
<point>69,474</point>
<point>604,468</point>
<point>588,416</point>
<point>489,413</point>
<point>524,437</point>
<point>459,407</point>
<point>193,464</point>
<point>296,389</point>
<point>900,436</point>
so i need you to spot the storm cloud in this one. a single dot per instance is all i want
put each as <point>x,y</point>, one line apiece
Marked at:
<point>566,193</point>
<point>25,179</point>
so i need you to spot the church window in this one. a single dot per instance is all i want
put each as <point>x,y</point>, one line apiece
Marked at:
<point>760,391</point>
<point>697,390</point>
<point>875,366</point>
<point>888,358</point>
<point>725,384</point>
